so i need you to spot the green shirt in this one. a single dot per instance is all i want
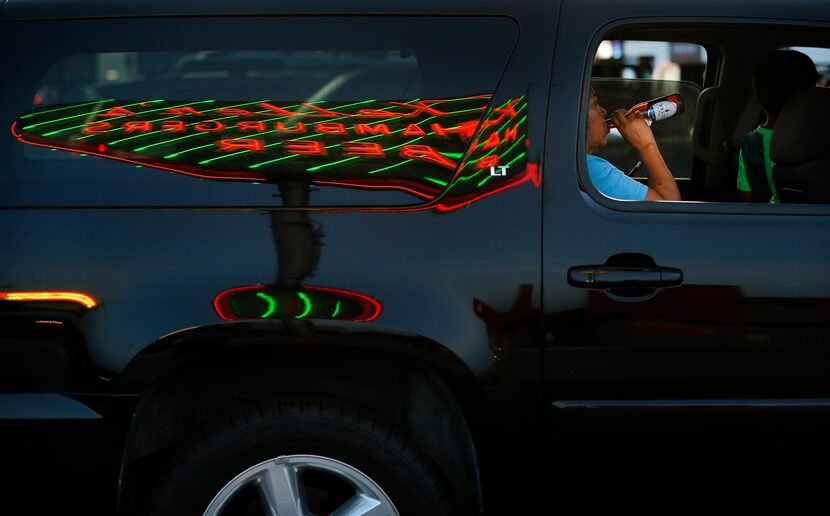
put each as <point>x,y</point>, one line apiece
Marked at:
<point>743,182</point>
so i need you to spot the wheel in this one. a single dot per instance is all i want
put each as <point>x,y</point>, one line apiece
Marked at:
<point>299,456</point>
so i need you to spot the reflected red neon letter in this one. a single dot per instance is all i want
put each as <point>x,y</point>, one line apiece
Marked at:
<point>464,129</point>
<point>305,147</point>
<point>251,126</point>
<point>299,128</point>
<point>173,126</point>
<point>130,127</point>
<point>210,126</point>
<point>426,153</point>
<point>510,134</point>
<point>420,107</point>
<point>118,111</point>
<point>240,144</point>
<point>413,130</point>
<point>492,141</point>
<point>363,149</point>
<point>376,129</point>
<point>330,128</point>
<point>276,110</point>
<point>96,128</point>
<point>233,112</point>
<point>488,161</point>
<point>507,111</point>
<point>187,110</point>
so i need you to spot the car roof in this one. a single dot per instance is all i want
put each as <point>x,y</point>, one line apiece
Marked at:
<point>46,9</point>
<point>67,9</point>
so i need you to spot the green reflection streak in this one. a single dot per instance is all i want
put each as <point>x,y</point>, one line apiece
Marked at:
<point>85,114</point>
<point>437,181</point>
<point>336,310</point>
<point>307,302</point>
<point>61,109</point>
<point>272,304</point>
<point>517,158</point>
<point>390,166</point>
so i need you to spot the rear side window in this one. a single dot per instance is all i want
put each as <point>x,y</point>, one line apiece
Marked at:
<point>301,111</point>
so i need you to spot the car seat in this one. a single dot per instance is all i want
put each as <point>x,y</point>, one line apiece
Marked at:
<point>718,131</point>
<point>800,148</point>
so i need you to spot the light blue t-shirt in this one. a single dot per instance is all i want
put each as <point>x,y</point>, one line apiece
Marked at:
<point>612,182</point>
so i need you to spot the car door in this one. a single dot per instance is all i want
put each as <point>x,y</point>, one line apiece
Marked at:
<point>686,344</point>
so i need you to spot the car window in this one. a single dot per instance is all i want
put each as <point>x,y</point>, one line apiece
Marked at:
<point>627,72</point>
<point>711,66</point>
<point>245,111</point>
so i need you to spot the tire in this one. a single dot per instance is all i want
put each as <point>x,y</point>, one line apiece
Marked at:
<point>299,456</point>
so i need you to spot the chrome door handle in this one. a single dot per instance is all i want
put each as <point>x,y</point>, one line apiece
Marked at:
<point>607,276</point>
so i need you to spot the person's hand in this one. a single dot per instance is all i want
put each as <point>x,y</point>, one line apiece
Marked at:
<point>634,129</point>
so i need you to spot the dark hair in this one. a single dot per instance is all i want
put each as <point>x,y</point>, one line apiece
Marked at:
<point>778,74</point>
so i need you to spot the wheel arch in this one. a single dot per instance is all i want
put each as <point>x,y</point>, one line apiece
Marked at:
<point>192,375</point>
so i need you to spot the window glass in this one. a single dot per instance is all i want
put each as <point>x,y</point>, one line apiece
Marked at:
<point>626,73</point>
<point>373,111</point>
<point>673,135</point>
<point>821,58</point>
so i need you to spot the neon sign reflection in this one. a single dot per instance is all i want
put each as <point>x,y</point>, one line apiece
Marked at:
<point>421,146</point>
<point>305,302</point>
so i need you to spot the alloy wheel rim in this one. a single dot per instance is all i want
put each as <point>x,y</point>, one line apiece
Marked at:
<point>282,488</point>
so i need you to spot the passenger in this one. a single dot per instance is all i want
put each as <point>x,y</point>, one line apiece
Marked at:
<point>777,75</point>
<point>612,181</point>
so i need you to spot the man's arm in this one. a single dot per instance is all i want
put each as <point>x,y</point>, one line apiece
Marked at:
<point>635,130</point>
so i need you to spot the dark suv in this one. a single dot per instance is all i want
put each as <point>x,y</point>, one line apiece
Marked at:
<point>347,258</point>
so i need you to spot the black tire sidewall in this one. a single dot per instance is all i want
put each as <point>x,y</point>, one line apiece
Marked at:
<point>351,437</point>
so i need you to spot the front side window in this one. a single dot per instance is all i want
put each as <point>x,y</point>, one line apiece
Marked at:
<point>627,74</point>
<point>734,90</point>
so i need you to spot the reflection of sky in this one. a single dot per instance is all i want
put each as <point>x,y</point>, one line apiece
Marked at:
<point>820,56</point>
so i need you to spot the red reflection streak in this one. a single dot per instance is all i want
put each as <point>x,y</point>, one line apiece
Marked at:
<point>371,308</point>
<point>73,297</point>
<point>532,174</point>
<point>222,304</point>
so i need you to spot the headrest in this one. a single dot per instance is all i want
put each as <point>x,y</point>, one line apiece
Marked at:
<point>802,131</point>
